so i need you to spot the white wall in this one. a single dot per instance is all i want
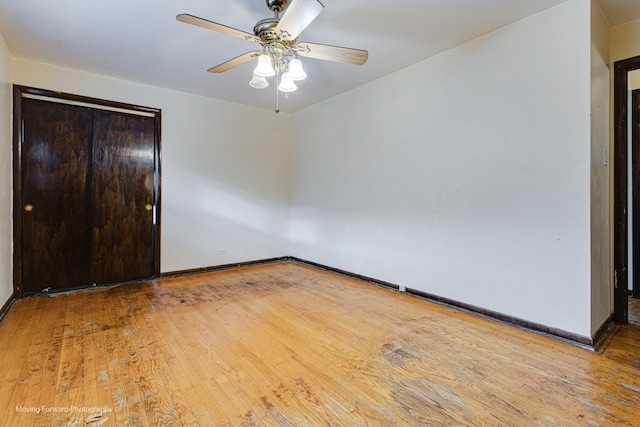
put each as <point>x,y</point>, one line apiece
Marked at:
<point>634,80</point>
<point>465,176</point>
<point>225,169</point>
<point>601,288</point>
<point>625,41</point>
<point>6,182</point>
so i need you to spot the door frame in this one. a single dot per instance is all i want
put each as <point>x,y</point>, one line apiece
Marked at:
<point>19,92</point>
<point>635,200</point>
<point>620,204</point>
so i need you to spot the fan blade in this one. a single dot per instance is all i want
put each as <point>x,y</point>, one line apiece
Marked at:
<point>210,25</point>
<point>333,53</point>
<point>298,15</point>
<point>238,60</point>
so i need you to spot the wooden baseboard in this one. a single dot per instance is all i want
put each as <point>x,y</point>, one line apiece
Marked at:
<point>346,273</point>
<point>559,334</point>
<point>603,332</point>
<point>7,305</point>
<point>590,343</point>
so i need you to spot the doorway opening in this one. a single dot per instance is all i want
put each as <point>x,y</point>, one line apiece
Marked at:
<point>621,205</point>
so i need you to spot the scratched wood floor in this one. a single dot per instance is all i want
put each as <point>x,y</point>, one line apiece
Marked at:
<point>288,345</point>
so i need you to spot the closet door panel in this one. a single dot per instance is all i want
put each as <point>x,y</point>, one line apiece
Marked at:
<point>56,152</point>
<point>122,197</point>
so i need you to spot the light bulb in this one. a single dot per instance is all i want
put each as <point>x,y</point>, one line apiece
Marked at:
<point>258,82</point>
<point>295,70</point>
<point>264,68</point>
<point>286,84</point>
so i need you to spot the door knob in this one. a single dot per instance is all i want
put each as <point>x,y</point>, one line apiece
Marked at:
<point>28,207</point>
<point>148,207</point>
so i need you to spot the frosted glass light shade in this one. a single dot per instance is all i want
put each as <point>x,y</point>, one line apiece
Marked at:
<point>286,84</point>
<point>258,82</point>
<point>295,70</point>
<point>264,68</point>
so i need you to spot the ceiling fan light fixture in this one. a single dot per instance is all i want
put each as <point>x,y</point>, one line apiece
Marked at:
<point>286,84</point>
<point>258,82</point>
<point>278,38</point>
<point>296,72</point>
<point>264,68</point>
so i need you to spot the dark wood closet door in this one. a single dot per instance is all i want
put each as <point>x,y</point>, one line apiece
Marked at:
<point>122,197</point>
<point>86,191</point>
<point>56,149</point>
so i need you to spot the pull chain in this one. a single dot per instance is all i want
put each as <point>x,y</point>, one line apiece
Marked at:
<point>277,90</point>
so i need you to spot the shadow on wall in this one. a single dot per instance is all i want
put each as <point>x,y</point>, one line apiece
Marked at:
<point>205,223</point>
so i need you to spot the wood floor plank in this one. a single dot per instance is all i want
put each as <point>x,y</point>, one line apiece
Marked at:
<point>122,381</point>
<point>313,367</point>
<point>208,398</point>
<point>288,345</point>
<point>40,352</point>
<point>96,388</point>
<point>150,358</point>
<point>268,379</point>
<point>203,363</point>
<point>69,388</point>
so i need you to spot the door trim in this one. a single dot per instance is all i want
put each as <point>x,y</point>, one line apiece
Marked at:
<point>20,92</point>
<point>620,205</point>
<point>635,200</point>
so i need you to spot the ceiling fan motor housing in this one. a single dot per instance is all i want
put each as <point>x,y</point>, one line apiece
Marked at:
<point>265,30</point>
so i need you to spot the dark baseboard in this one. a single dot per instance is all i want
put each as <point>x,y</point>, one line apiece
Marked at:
<point>345,273</point>
<point>7,305</point>
<point>555,333</point>
<point>603,332</point>
<point>222,267</point>
<point>590,343</point>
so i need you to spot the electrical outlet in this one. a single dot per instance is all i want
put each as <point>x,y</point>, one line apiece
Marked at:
<point>222,251</point>
<point>365,261</point>
<point>402,288</point>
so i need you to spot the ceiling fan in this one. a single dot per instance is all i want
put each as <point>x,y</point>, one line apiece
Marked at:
<point>279,40</point>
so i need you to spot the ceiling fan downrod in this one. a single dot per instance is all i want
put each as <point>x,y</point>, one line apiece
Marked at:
<point>277,6</point>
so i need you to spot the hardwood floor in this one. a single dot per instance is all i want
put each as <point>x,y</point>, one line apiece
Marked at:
<point>288,345</point>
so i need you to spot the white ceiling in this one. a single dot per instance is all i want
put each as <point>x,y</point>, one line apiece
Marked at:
<point>141,41</point>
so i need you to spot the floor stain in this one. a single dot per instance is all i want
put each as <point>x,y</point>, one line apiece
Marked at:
<point>168,297</point>
<point>396,354</point>
<point>307,392</point>
<point>128,331</point>
<point>595,407</point>
<point>281,419</point>
<point>279,394</point>
<point>102,377</point>
<point>74,421</point>
<point>430,403</point>
<point>631,387</point>
<point>267,404</point>
<point>97,419</point>
<point>250,419</point>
